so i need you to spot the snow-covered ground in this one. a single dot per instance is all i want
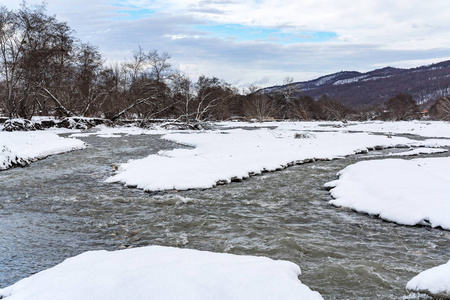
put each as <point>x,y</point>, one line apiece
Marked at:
<point>163,273</point>
<point>223,155</point>
<point>406,192</point>
<point>421,128</point>
<point>414,152</point>
<point>434,281</point>
<point>110,132</point>
<point>21,148</point>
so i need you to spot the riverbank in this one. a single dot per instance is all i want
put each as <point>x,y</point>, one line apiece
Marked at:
<point>21,148</point>
<point>407,192</point>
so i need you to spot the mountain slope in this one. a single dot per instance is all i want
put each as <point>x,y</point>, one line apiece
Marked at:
<point>376,87</point>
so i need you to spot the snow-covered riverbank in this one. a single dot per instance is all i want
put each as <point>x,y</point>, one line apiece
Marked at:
<point>22,148</point>
<point>235,154</point>
<point>408,192</point>
<point>163,273</point>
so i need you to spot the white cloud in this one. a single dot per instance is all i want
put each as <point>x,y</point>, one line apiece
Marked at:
<point>395,24</point>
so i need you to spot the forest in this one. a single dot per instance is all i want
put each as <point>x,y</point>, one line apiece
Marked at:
<point>46,71</point>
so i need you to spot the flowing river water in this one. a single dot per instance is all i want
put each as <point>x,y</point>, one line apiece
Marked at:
<point>59,207</point>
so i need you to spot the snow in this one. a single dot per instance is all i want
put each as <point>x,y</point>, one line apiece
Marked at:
<point>156,272</point>
<point>376,78</point>
<point>111,135</point>
<point>111,132</point>
<point>21,148</point>
<point>421,128</point>
<point>350,80</point>
<point>413,152</point>
<point>421,151</point>
<point>408,192</point>
<point>434,281</point>
<point>325,79</point>
<point>221,156</point>
<point>38,119</point>
<point>440,129</point>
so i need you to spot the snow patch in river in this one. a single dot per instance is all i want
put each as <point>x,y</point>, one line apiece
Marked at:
<point>408,192</point>
<point>164,273</point>
<point>434,281</point>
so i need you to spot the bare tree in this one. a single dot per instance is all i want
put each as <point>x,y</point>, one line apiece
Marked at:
<point>160,67</point>
<point>146,91</point>
<point>289,89</point>
<point>332,109</point>
<point>303,108</point>
<point>10,47</point>
<point>286,97</point>
<point>259,105</point>
<point>89,64</point>
<point>183,94</point>
<point>160,71</point>
<point>35,54</point>
<point>135,68</point>
<point>211,97</point>
<point>441,109</point>
<point>402,107</point>
<point>111,81</point>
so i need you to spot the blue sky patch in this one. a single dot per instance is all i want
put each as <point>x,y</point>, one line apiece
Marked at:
<point>253,33</point>
<point>133,14</point>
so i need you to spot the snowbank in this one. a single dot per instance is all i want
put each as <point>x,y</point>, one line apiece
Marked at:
<point>434,281</point>
<point>420,151</point>
<point>414,152</point>
<point>223,156</point>
<point>22,148</point>
<point>406,192</point>
<point>163,273</point>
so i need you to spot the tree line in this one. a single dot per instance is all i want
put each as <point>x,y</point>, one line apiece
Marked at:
<point>46,70</point>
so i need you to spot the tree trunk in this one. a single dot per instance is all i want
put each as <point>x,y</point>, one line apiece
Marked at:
<point>59,105</point>
<point>124,111</point>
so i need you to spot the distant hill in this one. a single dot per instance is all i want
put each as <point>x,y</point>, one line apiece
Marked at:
<point>376,87</point>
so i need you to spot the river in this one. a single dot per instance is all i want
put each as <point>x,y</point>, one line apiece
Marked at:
<point>59,207</point>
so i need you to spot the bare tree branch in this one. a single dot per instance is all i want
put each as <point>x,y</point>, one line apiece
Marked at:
<point>58,103</point>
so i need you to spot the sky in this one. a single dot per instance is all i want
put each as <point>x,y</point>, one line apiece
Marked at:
<point>262,42</point>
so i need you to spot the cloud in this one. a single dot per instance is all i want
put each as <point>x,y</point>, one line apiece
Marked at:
<point>363,21</point>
